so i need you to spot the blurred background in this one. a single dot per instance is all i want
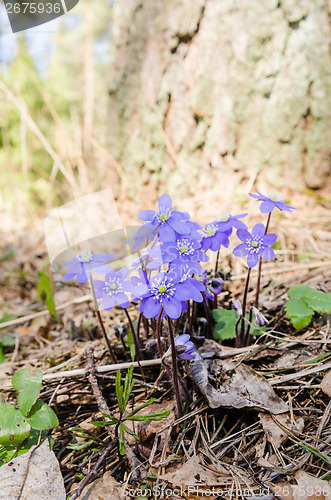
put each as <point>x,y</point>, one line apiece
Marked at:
<point>204,99</point>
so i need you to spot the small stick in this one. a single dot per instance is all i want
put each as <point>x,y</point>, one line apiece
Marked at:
<point>92,378</point>
<point>101,458</point>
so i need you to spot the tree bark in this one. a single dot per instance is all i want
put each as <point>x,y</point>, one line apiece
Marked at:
<point>207,93</point>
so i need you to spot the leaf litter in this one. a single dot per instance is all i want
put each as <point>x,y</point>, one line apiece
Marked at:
<point>258,420</point>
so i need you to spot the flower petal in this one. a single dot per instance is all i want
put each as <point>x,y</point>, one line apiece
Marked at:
<point>258,230</point>
<point>267,253</point>
<point>269,239</point>
<point>146,215</point>
<point>240,250</point>
<point>122,299</point>
<point>172,308</point>
<point>182,339</point>
<point>165,202</point>
<point>108,302</point>
<point>267,206</point>
<point>151,307</point>
<point>243,235</point>
<point>252,259</point>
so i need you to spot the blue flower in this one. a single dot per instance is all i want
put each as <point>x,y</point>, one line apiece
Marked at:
<point>226,221</point>
<point>255,245</point>
<point>82,265</point>
<point>166,222</point>
<point>165,290</point>
<point>112,289</point>
<point>184,347</point>
<point>213,238</point>
<point>213,286</point>
<point>183,253</point>
<point>269,203</point>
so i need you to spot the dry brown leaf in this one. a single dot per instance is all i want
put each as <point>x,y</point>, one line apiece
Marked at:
<point>308,488</point>
<point>275,433</point>
<point>196,475</point>
<point>240,387</point>
<point>314,488</point>
<point>35,475</point>
<point>103,489</point>
<point>326,383</point>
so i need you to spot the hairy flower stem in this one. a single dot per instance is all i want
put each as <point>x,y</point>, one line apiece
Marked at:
<point>158,333</point>
<point>258,284</point>
<point>174,367</point>
<point>208,317</point>
<point>242,329</point>
<point>136,343</point>
<point>216,275</point>
<point>102,326</point>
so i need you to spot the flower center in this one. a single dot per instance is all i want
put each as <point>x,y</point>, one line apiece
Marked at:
<point>209,231</point>
<point>162,289</point>
<point>164,214</point>
<point>224,217</point>
<point>275,196</point>
<point>113,287</point>
<point>183,249</point>
<point>254,244</point>
<point>84,256</point>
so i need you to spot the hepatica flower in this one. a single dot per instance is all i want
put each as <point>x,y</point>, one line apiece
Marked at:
<point>165,290</point>
<point>213,238</point>
<point>112,289</point>
<point>255,245</point>
<point>166,222</point>
<point>269,203</point>
<point>226,222</point>
<point>82,265</point>
<point>213,286</point>
<point>183,253</point>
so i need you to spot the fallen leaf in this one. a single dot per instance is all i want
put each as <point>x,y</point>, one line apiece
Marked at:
<point>103,489</point>
<point>326,383</point>
<point>240,386</point>
<point>35,475</point>
<point>314,488</point>
<point>197,476</point>
<point>308,488</point>
<point>275,433</point>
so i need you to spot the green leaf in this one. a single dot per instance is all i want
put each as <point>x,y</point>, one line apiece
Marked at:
<point>152,416</point>
<point>44,291</point>
<point>7,317</point>
<point>14,427</point>
<point>119,391</point>
<point>122,443</point>
<point>7,341</point>
<point>225,326</point>
<point>149,402</point>
<point>129,431</point>
<point>42,417</point>
<point>80,446</point>
<point>131,345</point>
<point>29,386</point>
<point>318,301</point>
<point>298,313</point>
<point>128,386</point>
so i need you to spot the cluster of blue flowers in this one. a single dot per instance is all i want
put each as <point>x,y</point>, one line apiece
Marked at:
<point>177,247</point>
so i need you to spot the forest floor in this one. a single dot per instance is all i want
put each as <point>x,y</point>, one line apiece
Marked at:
<point>251,449</point>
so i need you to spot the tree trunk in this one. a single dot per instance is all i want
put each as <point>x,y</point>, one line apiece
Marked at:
<point>207,93</point>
